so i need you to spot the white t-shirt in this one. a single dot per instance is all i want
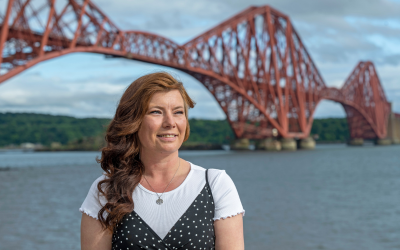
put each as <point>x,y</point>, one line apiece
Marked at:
<point>161,218</point>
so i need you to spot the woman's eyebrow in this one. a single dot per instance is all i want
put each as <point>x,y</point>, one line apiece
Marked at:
<point>159,107</point>
<point>156,107</point>
<point>178,107</point>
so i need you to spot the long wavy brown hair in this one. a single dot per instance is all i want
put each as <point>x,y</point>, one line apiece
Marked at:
<point>120,158</point>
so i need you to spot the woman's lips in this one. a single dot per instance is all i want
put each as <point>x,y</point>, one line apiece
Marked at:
<point>167,137</point>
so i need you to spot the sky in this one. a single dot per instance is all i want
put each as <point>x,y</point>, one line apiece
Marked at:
<point>337,34</point>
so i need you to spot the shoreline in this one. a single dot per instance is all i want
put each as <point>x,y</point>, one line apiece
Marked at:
<point>189,147</point>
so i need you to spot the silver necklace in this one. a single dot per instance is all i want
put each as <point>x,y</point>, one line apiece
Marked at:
<point>159,201</point>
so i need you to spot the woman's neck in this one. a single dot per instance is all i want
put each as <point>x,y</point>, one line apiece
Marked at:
<point>163,171</point>
<point>159,166</point>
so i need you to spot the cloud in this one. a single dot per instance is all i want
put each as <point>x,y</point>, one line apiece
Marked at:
<point>329,109</point>
<point>34,93</point>
<point>391,59</point>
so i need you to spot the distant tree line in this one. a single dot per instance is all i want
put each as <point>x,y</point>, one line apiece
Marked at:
<point>88,133</point>
<point>331,129</point>
<point>17,128</point>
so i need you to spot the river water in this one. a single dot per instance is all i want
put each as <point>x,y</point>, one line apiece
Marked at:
<point>334,197</point>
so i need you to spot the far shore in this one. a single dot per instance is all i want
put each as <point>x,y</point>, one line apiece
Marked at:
<point>188,147</point>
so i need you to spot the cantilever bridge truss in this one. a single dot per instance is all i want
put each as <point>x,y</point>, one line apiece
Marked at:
<point>254,64</point>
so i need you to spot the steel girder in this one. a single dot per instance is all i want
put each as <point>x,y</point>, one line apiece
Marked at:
<point>254,64</point>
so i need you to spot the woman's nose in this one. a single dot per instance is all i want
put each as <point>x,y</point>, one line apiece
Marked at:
<point>169,120</point>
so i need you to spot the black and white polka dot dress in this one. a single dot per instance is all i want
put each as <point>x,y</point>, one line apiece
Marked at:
<point>194,230</point>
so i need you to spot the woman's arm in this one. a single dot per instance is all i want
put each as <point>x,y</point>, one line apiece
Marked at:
<point>229,233</point>
<point>93,237</point>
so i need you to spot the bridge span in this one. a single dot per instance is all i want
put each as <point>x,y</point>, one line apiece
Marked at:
<point>254,64</point>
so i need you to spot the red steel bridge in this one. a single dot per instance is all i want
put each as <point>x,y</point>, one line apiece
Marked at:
<point>254,64</point>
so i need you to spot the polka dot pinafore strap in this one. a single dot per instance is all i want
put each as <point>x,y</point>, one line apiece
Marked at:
<point>194,230</point>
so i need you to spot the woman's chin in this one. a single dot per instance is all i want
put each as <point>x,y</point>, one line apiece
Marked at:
<point>169,148</point>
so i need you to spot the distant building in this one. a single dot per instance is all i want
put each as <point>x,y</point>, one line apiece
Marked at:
<point>27,145</point>
<point>31,146</point>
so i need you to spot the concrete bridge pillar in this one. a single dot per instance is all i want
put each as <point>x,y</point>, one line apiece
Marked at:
<point>356,142</point>
<point>307,143</point>
<point>383,142</point>
<point>240,144</point>
<point>288,144</point>
<point>393,128</point>
<point>269,144</point>
<point>396,129</point>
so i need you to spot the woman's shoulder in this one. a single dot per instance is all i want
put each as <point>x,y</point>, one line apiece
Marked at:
<point>215,176</point>
<point>93,187</point>
<point>226,198</point>
<point>211,171</point>
<point>103,176</point>
<point>94,201</point>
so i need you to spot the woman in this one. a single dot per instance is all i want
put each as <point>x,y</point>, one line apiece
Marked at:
<point>148,197</point>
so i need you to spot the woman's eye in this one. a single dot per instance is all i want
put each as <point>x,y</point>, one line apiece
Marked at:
<point>179,112</point>
<point>155,112</point>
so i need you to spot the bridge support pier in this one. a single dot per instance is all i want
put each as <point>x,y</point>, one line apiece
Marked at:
<point>240,144</point>
<point>393,128</point>
<point>383,142</point>
<point>307,143</point>
<point>356,142</point>
<point>288,144</point>
<point>269,144</point>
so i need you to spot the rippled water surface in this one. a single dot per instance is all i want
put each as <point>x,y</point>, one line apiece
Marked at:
<point>334,197</point>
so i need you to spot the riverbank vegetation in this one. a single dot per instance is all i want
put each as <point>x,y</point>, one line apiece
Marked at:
<point>330,130</point>
<point>49,132</point>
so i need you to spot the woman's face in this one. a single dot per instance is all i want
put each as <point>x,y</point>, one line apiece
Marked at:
<point>164,124</point>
